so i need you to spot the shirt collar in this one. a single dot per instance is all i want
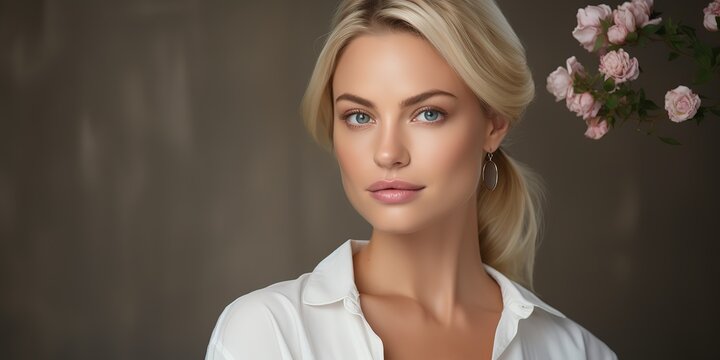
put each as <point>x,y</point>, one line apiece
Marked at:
<point>333,280</point>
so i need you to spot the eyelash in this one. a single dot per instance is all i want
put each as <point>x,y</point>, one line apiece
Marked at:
<point>443,115</point>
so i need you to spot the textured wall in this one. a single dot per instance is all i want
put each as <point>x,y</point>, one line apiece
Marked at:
<point>154,167</point>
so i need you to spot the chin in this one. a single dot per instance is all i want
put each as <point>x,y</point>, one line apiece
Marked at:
<point>395,228</point>
<point>397,220</point>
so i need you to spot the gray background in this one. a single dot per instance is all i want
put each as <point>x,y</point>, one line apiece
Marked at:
<point>154,167</point>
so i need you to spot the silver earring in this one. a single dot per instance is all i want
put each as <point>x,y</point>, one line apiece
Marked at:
<point>490,173</point>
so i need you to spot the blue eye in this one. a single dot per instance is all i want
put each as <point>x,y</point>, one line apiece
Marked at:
<point>361,118</point>
<point>431,115</point>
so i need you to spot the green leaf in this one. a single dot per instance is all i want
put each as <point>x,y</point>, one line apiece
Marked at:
<point>705,61</point>
<point>621,90</point>
<point>650,105</point>
<point>609,84</point>
<point>703,54</point>
<point>701,48</point>
<point>625,111</point>
<point>673,55</point>
<point>703,75</point>
<point>651,29</point>
<point>669,140</point>
<point>678,41</point>
<point>580,88</point>
<point>605,24</point>
<point>599,42</point>
<point>670,28</point>
<point>689,31</point>
<point>611,102</point>
<point>631,37</point>
<point>633,107</point>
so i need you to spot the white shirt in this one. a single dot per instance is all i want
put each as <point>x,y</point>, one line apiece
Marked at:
<point>318,316</point>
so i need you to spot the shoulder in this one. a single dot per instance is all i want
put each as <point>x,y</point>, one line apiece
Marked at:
<point>259,306</point>
<point>252,324</point>
<point>542,330</point>
<point>564,337</point>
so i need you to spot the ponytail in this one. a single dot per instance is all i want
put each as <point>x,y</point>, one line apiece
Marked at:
<point>510,219</point>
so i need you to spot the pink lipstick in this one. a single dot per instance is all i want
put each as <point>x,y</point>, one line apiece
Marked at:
<point>394,191</point>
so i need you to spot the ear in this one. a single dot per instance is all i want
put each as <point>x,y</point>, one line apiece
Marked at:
<point>496,128</point>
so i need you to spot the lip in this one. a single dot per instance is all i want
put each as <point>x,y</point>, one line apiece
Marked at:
<point>394,191</point>
<point>394,196</point>
<point>394,184</point>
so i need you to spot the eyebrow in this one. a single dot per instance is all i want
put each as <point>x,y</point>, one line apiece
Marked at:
<point>405,103</point>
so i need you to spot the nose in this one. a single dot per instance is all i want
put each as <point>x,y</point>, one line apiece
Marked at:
<point>391,151</point>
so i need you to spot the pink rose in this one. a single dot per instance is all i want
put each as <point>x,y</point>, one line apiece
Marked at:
<point>583,104</point>
<point>596,128</point>
<point>559,83</point>
<point>711,11</point>
<point>619,66</point>
<point>591,15</point>
<point>588,24</point>
<point>625,18</point>
<point>641,10</point>
<point>681,103</point>
<point>617,34</point>
<point>574,67</point>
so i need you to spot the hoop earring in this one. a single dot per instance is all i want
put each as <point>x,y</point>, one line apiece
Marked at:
<point>490,173</point>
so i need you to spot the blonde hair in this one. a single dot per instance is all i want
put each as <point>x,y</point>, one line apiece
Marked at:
<point>476,40</point>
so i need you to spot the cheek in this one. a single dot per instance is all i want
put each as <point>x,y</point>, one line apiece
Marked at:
<point>455,159</point>
<point>351,160</point>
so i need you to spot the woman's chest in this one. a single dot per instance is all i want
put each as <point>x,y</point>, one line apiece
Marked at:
<point>408,333</point>
<point>434,346</point>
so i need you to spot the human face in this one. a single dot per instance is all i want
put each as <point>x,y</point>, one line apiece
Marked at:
<point>436,142</point>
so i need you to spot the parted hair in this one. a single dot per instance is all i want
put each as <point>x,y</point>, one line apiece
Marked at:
<point>476,40</point>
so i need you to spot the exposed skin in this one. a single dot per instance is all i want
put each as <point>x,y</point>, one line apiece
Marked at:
<point>422,285</point>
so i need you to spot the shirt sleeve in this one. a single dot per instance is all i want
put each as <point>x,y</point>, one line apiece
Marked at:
<point>596,349</point>
<point>244,330</point>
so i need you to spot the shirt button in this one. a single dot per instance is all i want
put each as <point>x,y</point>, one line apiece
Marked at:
<point>522,309</point>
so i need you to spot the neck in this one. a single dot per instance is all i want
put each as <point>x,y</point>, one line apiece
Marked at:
<point>438,266</point>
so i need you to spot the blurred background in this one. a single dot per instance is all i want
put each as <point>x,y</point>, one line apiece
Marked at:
<point>154,167</point>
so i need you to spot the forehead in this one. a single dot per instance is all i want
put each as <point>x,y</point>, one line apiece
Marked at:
<point>393,63</point>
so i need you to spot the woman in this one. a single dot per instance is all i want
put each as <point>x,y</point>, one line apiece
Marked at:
<point>414,98</point>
